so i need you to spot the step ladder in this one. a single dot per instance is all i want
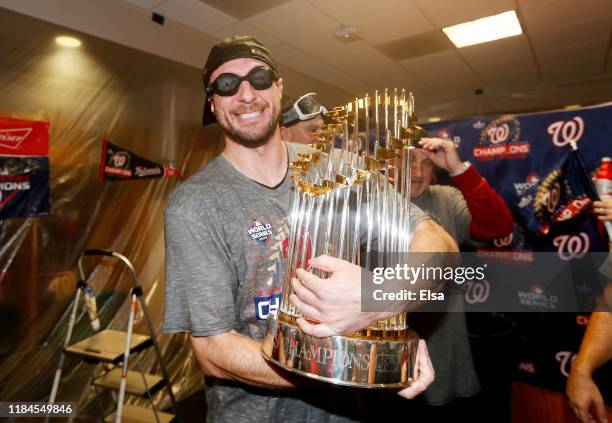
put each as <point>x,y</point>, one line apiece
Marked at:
<point>112,349</point>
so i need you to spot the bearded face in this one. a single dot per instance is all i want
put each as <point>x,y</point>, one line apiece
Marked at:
<point>250,117</point>
<point>251,126</point>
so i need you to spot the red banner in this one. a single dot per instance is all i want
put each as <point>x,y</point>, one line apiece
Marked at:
<point>19,137</point>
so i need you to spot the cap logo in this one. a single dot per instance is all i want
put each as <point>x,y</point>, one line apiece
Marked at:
<point>257,51</point>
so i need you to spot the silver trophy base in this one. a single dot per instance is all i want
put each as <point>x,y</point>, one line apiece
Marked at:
<point>372,362</point>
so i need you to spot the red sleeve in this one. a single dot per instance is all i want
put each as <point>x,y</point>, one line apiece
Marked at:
<point>491,217</point>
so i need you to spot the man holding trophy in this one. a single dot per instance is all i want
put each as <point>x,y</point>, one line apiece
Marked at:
<point>226,231</point>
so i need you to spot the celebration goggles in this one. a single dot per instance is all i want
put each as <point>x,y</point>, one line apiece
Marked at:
<point>227,84</point>
<point>305,108</point>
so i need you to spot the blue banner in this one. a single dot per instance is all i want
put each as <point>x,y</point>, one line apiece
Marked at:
<point>522,158</point>
<point>24,186</point>
<point>528,160</point>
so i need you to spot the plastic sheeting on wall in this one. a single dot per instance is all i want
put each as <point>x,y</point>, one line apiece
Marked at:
<point>100,90</point>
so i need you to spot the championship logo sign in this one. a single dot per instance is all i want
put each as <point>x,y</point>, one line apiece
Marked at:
<point>500,139</point>
<point>565,193</point>
<point>24,187</point>
<point>554,199</point>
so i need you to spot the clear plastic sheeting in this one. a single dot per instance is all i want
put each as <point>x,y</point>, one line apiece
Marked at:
<point>144,103</point>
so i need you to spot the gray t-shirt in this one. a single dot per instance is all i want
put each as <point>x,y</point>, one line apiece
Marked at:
<point>446,333</point>
<point>224,237</point>
<point>447,207</point>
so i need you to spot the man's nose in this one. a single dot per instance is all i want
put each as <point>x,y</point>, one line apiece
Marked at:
<point>417,170</point>
<point>246,92</point>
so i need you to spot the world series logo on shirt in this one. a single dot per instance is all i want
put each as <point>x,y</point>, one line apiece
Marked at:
<point>260,232</point>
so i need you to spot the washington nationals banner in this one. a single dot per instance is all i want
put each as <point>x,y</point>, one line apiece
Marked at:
<point>19,137</point>
<point>563,195</point>
<point>24,186</point>
<point>528,159</point>
<point>118,163</point>
<point>24,168</point>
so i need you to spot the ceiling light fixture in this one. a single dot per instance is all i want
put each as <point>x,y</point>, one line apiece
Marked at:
<point>502,25</point>
<point>347,34</point>
<point>434,119</point>
<point>67,41</point>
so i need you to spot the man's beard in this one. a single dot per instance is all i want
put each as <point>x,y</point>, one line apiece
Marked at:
<point>251,140</point>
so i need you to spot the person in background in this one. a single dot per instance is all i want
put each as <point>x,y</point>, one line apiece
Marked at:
<point>596,347</point>
<point>595,351</point>
<point>301,119</point>
<point>471,213</point>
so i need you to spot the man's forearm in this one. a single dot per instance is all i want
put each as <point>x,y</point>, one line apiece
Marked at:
<point>236,357</point>
<point>596,347</point>
<point>429,237</point>
<point>431,246</point>
<point>491,217</point>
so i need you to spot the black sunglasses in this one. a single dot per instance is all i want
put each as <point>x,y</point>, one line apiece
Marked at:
<point>227,84</point>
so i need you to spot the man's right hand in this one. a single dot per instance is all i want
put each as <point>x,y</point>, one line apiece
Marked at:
<point>443,153</point>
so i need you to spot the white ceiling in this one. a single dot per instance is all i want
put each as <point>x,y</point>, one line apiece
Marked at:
<point>563,57</point>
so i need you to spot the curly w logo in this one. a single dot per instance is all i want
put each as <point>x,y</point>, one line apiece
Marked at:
<point>566,131</point>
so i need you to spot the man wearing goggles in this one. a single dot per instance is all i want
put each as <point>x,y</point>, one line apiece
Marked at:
<point>302,119</point>
<point>224,233</point>
<point>247,108</point>
<point>227,84</point>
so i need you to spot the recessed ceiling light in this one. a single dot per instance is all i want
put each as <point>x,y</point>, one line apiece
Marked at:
<point>434,119</point>
<point>347,33</point>
<point>572,106</point>
<point>483,30</point>
<point>67,41</point>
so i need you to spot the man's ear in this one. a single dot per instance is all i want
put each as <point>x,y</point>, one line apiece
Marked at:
<point>279,83</point>
<point>212,105</point>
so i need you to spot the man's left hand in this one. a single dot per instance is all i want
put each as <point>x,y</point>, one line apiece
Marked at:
<point>425,373</point>
<point>603,209</point>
